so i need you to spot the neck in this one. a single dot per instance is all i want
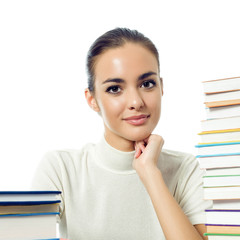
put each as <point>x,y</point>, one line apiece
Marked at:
<point>119,143</point>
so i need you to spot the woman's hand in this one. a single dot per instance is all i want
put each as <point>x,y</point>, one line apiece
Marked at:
<point>147,153</point>
<point>168,211</point>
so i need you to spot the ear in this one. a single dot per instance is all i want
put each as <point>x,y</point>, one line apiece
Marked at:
<point>161,82</point>
<point>91,100</point>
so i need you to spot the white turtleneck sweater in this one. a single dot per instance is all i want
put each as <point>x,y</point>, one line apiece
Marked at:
<point>103,198</point>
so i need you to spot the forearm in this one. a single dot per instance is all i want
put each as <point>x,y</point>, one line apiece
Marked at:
<point>172,219</point>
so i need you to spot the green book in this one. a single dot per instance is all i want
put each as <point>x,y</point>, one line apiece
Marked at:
<point>222,236</point>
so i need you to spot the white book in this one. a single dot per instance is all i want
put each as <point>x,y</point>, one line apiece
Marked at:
<point>221,85</point>
<point>220,123</point>
<point>221,193</point>
<point>222,96</point>
<point>226,204</point>
<point>221,181</point>
<point>222,171</point>
<point>219,161</point>
<point>223,112</point>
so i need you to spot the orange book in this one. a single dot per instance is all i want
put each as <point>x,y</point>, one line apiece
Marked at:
<point>230,229</point>
<point>222,103</point>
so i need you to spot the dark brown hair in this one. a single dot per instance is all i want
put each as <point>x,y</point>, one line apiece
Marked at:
<point>113,39</point>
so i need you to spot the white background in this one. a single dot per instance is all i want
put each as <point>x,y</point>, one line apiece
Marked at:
<point>43,46</point>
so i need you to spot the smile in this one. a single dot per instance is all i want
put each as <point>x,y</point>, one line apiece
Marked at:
<point>137,120</point>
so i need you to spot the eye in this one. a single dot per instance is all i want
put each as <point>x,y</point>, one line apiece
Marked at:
<point>113,89</point>
<point>148,84</point>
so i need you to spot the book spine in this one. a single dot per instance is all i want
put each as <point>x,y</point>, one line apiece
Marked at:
<point>220,152</point>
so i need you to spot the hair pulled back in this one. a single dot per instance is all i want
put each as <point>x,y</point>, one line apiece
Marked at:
<point>113,39</point>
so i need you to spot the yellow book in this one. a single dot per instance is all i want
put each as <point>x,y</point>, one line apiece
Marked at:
<point>220,131</point>
<point>223,136</point>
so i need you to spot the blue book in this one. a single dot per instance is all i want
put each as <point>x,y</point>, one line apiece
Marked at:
<point>218,149</point>
<point>217,144</point>
<point>28,214</point>
<point>29,207</point>
<point>24,203</point>
<point>29,226</point>
<point>27,196</point>
<point>222,216</point>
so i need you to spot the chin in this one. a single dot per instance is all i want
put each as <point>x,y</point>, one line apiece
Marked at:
<point>139,136</point>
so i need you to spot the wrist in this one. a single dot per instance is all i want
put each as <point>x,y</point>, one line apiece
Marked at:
<point>148,173</point>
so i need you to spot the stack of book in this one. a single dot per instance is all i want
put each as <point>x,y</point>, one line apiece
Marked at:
<point>219,155</point>
<point>28,215</point>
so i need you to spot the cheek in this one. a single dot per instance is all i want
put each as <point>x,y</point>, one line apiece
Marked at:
<point>154,102</point>
<point>111,108</point>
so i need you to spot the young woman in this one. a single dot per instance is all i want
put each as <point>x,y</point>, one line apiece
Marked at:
<point>126,186</point>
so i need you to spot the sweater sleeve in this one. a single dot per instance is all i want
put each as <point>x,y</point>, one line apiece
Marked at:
<point>48,176</point>
<point>190,191</point>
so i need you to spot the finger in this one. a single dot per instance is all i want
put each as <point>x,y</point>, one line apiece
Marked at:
<point>137,153</point>
<point>141,145</point>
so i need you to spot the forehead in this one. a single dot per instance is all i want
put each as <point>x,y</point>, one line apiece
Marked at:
<point>130,60</point>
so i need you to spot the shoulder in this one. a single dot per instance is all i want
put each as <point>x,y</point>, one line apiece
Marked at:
<point>176,159</point>
<point>176,154</point>
<point>178,166</point>
<point>66,158</point>
<point>60,167</point>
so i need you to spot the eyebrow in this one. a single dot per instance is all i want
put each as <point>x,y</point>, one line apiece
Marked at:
<point>120,80</point>
<point>145,75</point>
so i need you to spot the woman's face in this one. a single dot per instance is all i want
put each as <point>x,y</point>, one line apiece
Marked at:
<point>127,94</point>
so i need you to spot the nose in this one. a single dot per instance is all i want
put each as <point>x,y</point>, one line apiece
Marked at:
<point>135,101</point>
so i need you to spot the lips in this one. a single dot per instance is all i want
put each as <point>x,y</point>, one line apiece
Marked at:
<point>137,120</point>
